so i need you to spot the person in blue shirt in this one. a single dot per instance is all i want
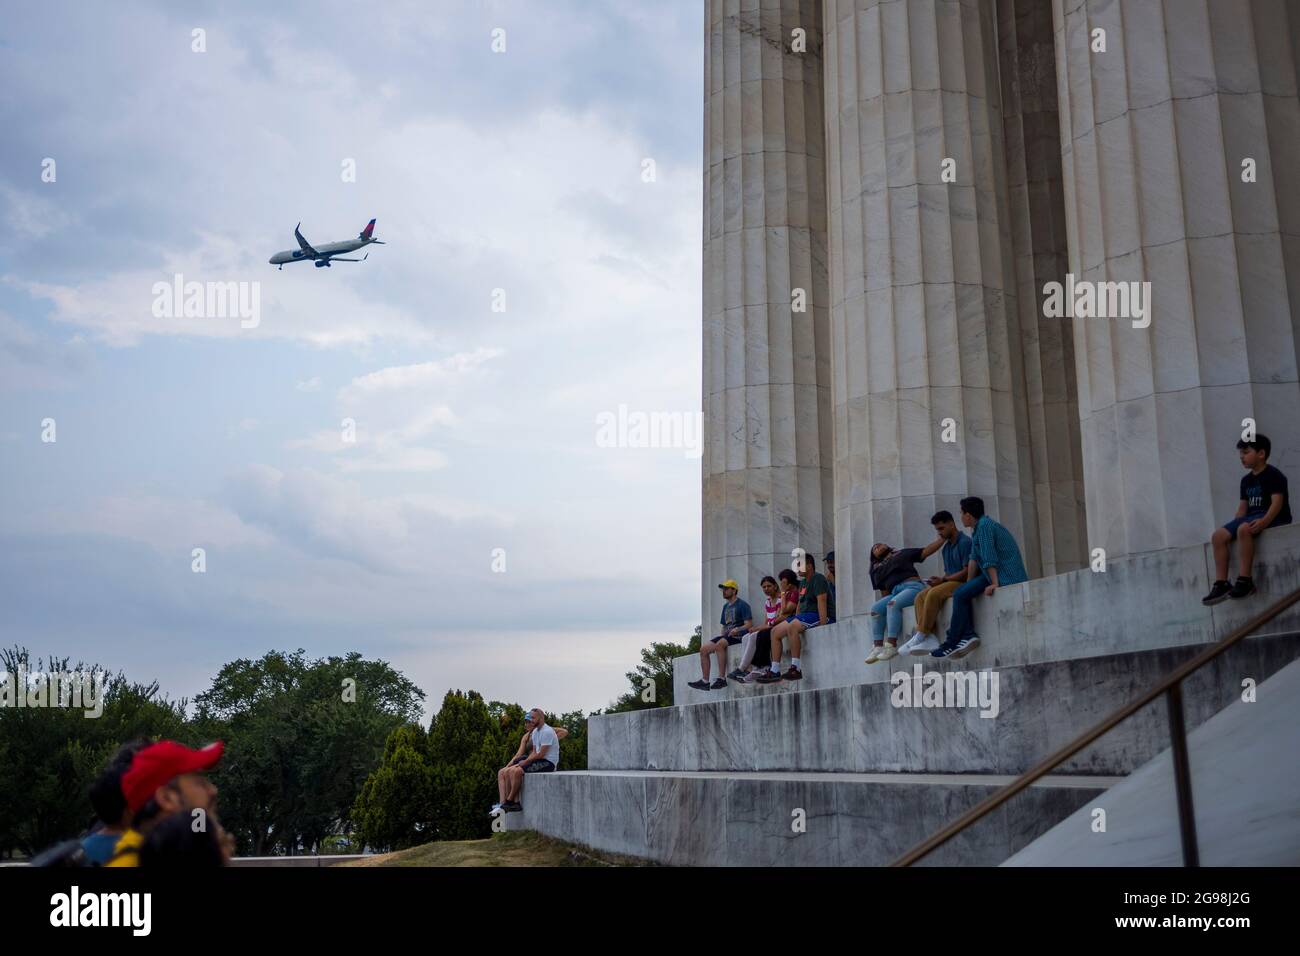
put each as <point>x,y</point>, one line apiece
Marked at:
<point>736,619</point>
<point>956,557</point>
<point>110,805</point>
<point>995,562</point>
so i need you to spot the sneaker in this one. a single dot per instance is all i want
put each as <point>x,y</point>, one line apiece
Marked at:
<point>698,684</point>
<point>512,806</point>
<point>912,641</point>
<point>496,808</point>
<point>927,644</point>
<point>945,649</point>
<point>767,677</point>
<point>792,673</point>
<point>888,652</point>
<point>965,646</point>
<point>754,676</point>
<point>737,675</point>
<point>1219,592</point>
<point>1244,587</point>
<point>874,656</point>
<point>718,683</point>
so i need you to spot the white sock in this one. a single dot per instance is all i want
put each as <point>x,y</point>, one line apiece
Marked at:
<point>794,662</point>
<point>775,667</point>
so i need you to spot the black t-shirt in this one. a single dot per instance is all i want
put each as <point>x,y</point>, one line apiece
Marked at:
<point>1258,491</point>
<point>895,569</point>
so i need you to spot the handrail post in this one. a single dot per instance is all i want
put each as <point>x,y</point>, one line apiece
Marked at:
<point>1182,775</point>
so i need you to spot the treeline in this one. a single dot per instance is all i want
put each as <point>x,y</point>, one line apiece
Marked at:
<point>322,755</point>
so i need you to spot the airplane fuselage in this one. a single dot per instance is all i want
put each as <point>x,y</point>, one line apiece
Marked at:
<point>326,249</point>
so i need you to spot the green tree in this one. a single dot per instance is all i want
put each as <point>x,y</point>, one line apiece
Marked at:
<point>301,738</point>
<point>392,811</point>
<point>657,667</point>
<point>51,755</point>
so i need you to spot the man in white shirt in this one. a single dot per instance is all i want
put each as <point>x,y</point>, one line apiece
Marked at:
<point>544,758</point>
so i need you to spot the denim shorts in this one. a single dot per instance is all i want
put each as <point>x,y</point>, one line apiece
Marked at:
<point>1232,526</point>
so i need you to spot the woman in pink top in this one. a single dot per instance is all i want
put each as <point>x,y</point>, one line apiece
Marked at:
<point>756,644</point>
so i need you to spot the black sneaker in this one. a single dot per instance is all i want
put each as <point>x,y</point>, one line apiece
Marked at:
<point>946,649</point>
<point>718,684</point>
<point>512,806</point>
<point>737,675</point>
<point>792,673</point>
<point>767,677</point>
<point>1244,587</point>
<point>699,684</point>
<point>1219,592</point>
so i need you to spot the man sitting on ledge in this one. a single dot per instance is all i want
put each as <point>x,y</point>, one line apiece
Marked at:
<point>995,562</point>
<point>544,758</point>
<point>737,620</point>
<point>956,561</point>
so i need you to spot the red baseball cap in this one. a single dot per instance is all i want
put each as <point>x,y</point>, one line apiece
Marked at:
<point>160,763</point>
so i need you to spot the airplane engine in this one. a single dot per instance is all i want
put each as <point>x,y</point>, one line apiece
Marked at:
<point>322,262</point>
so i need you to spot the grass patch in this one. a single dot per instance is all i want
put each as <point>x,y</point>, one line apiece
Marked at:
<point>520,848</point>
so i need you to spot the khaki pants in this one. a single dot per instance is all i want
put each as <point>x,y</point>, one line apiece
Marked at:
<point>928,603</point>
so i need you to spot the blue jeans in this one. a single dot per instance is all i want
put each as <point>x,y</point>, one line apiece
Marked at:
<point>887,613</point>
<point>963,617</point>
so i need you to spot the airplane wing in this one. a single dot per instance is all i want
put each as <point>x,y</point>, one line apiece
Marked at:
<point>306,246</point>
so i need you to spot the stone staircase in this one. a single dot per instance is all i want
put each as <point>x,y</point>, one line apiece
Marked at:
<point>837,769</point>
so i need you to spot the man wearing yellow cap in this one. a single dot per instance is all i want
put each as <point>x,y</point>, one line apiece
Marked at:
<point>736,619</point>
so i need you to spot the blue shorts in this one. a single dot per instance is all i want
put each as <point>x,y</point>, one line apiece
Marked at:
<point>1232,526</point>
<point>808,618</point>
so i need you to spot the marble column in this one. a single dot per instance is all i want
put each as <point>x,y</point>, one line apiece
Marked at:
<point>1154,132</point>
<point>924,323</point>
<point>767,480</point>
<point>1027,67</point>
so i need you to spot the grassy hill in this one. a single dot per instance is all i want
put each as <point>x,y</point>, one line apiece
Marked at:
<point>524,848</point>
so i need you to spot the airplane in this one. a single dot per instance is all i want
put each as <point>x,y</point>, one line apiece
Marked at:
<point>330,252</point>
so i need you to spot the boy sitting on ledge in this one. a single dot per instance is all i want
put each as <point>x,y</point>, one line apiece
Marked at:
<point>1265,503</point>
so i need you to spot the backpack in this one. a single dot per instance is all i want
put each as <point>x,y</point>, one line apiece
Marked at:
<point>69,853</point>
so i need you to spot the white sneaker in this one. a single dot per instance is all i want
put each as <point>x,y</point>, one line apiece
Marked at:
<point>887,652</point>
<point>751,677</point>
<point>874,656</point>
<point>965,646</point>
<point>912,641</point>
<point>927,643</point>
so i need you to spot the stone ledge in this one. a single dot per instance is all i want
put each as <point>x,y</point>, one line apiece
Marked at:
<point>1141,602</point>
<point>856,728</point>
<point>751,819</point>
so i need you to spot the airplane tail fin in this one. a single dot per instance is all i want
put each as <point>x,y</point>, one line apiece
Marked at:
<point>370,228</point>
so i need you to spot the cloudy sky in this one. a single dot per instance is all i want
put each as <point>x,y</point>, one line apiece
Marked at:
<point>476,430</point>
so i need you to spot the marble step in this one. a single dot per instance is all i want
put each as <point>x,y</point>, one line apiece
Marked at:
<point>1245,764</point>
<point>1140,602</point>
<point>858,728</point>
<point>791,819</point>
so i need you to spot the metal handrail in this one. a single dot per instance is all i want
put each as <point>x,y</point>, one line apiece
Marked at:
<point>1171,686</point>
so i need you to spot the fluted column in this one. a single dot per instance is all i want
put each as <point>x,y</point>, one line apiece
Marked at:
<point>923,317</point>
<point>1027,67</point>
<point>767,461</point>
<point>1154,131</point>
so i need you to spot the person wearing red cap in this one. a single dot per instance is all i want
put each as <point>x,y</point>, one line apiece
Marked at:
<point>165,779</point>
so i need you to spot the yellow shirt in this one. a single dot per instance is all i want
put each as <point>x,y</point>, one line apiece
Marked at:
<point>127,852</point>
